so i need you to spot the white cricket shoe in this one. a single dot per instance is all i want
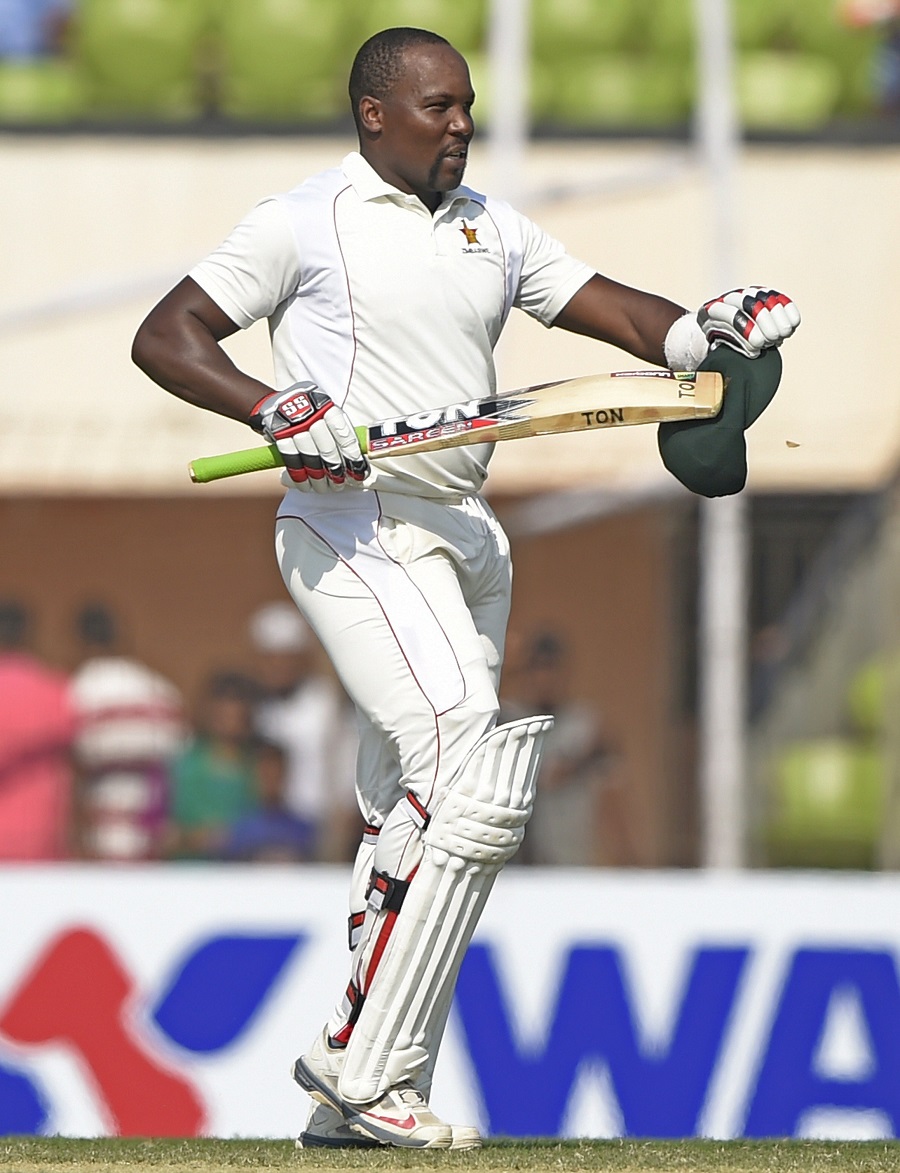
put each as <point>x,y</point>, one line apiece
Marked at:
<point>465,1136</point>
<point>326,1128</point>
<point>400,1117</point>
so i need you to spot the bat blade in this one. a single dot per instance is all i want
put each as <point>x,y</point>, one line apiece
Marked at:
<point>570,405</point>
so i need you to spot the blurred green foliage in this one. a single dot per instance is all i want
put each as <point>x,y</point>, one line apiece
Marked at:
<point>595,63</point>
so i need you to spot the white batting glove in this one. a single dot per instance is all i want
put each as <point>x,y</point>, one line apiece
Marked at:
<point>316,440</point>
<point>749,320</point>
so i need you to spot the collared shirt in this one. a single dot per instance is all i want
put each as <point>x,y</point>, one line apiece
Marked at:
<point>389,309</point>
<point>37,728</point>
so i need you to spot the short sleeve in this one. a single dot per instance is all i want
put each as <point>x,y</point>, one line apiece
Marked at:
<point>550,277</point>
<point>255,268</point>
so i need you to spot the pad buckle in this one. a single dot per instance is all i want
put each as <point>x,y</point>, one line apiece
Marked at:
<point>386,893</point>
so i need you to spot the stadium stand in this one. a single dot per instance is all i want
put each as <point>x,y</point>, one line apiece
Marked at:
<point>757,23</point>
<point>40,91</point>
<point>283,60</point>
<point>620,89</point>
<point>866,696</point>
<point>603,65</point>
<point>560,27</point>
<point>461,21</point>
<point>138,58</point>
<point>787,90</point>
<point>666,27</point>
<point>597,65</point>
<point>827,798</point>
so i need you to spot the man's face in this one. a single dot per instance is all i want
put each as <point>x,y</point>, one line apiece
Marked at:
<point>420,131</point>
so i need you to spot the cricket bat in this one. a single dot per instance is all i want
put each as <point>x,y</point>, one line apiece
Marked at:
<point>570,405</point>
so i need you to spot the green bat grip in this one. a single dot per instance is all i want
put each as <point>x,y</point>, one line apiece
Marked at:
<point>232,464</point>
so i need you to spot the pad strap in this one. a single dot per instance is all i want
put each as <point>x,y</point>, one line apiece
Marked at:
<point>354,1000</point>
<point>386,893</point>
<point>355,922</point>
<point>417,812</point>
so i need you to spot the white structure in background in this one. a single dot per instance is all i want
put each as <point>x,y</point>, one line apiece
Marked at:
<point>509,53</point>
<point>723,534</point>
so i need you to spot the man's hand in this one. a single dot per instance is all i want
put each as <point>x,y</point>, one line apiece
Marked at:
<point>749,320</point>
<point>315,438</point>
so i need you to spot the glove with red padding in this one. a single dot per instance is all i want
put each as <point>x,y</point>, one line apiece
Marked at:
<point>749,320</point>
<point>316,440</point>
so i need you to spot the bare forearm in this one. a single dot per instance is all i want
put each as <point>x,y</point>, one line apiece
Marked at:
<point>630,319</point>
<point>177,345</point>
<point>200,373</point>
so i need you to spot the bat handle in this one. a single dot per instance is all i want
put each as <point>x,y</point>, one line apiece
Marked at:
<point>231,464</point>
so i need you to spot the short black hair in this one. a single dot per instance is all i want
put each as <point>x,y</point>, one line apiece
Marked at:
<point>228,684</point>
<point>96,626</point>
<point>13,625</point>
<point>379,62</point>
<point>547,650</point>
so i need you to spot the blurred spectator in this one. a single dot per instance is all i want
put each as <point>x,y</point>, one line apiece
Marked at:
<point>37,726</point>
<point>272,833</point>
<point>887,66</point>
<point>303,709</point>
<point>885,16</point>
<point>130,726</point>
<point>33,28</point>
<point>577,761</point>
<point>213,780</point>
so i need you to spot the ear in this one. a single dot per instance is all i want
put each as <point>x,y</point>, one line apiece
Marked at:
<point>371,115</point>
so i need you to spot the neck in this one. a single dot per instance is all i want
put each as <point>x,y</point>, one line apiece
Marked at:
<point>431,199</point>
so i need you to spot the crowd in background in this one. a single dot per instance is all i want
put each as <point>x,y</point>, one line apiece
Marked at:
<point>109,763</point>
<point>32,29</point>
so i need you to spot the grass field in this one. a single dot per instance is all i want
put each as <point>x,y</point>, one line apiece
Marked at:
<point>28,1155</point>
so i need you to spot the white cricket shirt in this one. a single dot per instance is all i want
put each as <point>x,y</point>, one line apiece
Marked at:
<point>389,309</point>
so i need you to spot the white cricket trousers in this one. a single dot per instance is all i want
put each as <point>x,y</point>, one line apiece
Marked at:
<point>409,597</point>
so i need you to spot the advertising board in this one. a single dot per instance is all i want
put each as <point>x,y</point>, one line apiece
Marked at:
<point>171,1001</point>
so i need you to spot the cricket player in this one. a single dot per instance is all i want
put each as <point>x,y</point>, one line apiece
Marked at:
<point>386,284</point>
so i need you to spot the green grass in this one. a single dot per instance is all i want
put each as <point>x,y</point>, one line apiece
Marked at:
<point>30,1155</point>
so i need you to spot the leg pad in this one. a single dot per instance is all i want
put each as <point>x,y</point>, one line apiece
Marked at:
<point>476,829</point>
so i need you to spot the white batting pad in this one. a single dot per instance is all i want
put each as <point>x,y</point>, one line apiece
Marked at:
<point>477,828</point>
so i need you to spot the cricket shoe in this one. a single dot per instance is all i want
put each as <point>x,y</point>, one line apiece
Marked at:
<point>326,1128</point>
<point>400,1117</point>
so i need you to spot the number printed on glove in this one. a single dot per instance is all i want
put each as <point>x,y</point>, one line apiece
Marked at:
<point>316,440</point>
<point>749,320</point>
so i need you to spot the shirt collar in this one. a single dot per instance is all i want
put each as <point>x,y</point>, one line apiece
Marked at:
<point>369,185</point>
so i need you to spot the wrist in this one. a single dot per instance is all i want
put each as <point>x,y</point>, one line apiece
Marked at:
<point>685,345</point>
<point>255,416</point>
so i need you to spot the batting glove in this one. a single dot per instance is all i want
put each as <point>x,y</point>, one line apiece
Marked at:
<point>749,320</point>
<point>316,440</point>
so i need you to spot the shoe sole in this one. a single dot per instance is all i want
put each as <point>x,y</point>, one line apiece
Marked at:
<point>318,1089</point>
<point>325,1094</point>
<point>465,1140</point>
<point>311,1140</point>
